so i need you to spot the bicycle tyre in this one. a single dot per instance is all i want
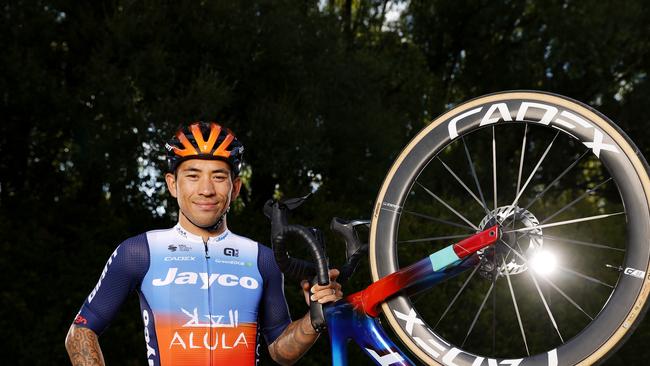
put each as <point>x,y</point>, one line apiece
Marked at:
<point>625,305</point>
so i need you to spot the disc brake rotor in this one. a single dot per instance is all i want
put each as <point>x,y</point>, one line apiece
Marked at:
<point>500,258</point>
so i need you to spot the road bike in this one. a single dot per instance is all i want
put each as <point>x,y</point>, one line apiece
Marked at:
<point>548,202</point>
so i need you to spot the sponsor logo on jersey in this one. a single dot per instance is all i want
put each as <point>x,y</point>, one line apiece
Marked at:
<point>222,236</point>
<point>80,320</point>
<point>207,280</point>
<point>179,258</point>
<point>181,232</point>
<point>214,321</point>
<point>233,262</point>
<point>181,247</point>
<point>99,283</point>
<point>210,338</point>
<point>147,338</point>
<point>207,341</point>
<point>231,252</point>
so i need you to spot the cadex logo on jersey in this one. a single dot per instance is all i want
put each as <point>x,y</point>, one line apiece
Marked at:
<point>192,278</point>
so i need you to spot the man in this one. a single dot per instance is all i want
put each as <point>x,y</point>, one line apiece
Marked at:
<point>204,291</point>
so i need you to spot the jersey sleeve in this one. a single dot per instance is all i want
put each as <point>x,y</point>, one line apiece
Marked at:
<point>274,313</point>
<point>122,273</point>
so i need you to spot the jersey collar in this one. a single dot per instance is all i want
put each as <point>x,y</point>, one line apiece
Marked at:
<point>193,237</point>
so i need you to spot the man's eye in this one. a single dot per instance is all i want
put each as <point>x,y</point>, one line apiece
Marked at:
<point>192,176</point>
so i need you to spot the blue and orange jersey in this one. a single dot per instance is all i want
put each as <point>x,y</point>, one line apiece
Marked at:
<point>202,303</point>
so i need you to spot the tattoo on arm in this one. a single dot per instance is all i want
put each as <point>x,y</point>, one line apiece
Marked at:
<point>83,347</point>
<point>293,342</point>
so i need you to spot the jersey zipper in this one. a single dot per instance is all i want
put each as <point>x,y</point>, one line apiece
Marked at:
<point>207,255</point>
<point>209,274</point>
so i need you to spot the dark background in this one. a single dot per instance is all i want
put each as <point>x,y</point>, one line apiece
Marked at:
<point>323,94</point>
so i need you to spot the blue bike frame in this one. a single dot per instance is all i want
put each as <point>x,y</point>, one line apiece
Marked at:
<point>355,317</point>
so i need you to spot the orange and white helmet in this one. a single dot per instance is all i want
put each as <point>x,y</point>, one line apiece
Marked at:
<point>204,140</point>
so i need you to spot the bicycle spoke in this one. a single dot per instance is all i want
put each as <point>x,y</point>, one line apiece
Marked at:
<point>588,278</point>
<point>464,185</point>
<point>494,314</point>
<point>471,167</point>
<point>438,220</point>
<point>572,203</point>
<point>448,207</point>
<point>567,297</point>
<point>567,222</point>
<point>456,297</point>
<point>561,240</point>
<point>434,238</point>
<point>565,240</point>
<point>514,302</point>
<point>521,158</point>
<point>477,314</point>
<point>494,168</point>
<point>532,174</point>
<point>539,195</point>
<point>548,309</point>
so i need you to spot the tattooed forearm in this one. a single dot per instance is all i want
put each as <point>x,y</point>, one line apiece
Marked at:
<point>83,347</point>
<point>293,342</point>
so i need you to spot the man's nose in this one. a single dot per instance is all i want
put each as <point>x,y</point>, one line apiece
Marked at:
<point>206,187</point>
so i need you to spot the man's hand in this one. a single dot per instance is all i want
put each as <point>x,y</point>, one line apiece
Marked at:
<point>300,335</point>
<point>323,294</point>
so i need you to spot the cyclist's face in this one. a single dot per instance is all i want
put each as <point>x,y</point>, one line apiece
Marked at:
<point>203,189</point>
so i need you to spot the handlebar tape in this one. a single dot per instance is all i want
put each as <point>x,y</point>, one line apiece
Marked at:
<point>299,268</point>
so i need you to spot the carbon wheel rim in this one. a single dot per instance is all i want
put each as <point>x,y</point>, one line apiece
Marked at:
<point>617,310</point>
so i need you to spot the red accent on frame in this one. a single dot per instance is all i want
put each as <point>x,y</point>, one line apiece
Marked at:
<point>476,242</point>
<point>370,299</point>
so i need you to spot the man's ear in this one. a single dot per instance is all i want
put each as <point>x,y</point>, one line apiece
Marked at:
<point>171,183</point>
<point>236,187</point>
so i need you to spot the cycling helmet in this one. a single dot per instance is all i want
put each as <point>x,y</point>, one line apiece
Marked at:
<point>190,142</point>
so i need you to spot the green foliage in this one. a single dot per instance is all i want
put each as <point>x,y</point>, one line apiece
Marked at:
<point>323,95</point>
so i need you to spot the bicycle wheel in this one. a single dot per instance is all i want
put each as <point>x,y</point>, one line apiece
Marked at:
<point>568,281</point>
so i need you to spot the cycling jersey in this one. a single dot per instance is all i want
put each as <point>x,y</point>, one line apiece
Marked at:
<point>201,303</point>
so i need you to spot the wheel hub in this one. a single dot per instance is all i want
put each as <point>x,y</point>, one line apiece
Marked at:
<point>500,259</point>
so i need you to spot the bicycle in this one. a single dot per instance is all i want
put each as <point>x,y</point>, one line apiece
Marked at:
<point>558,296</point>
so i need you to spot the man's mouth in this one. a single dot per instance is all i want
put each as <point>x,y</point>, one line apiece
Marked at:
<point>208,206</point>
